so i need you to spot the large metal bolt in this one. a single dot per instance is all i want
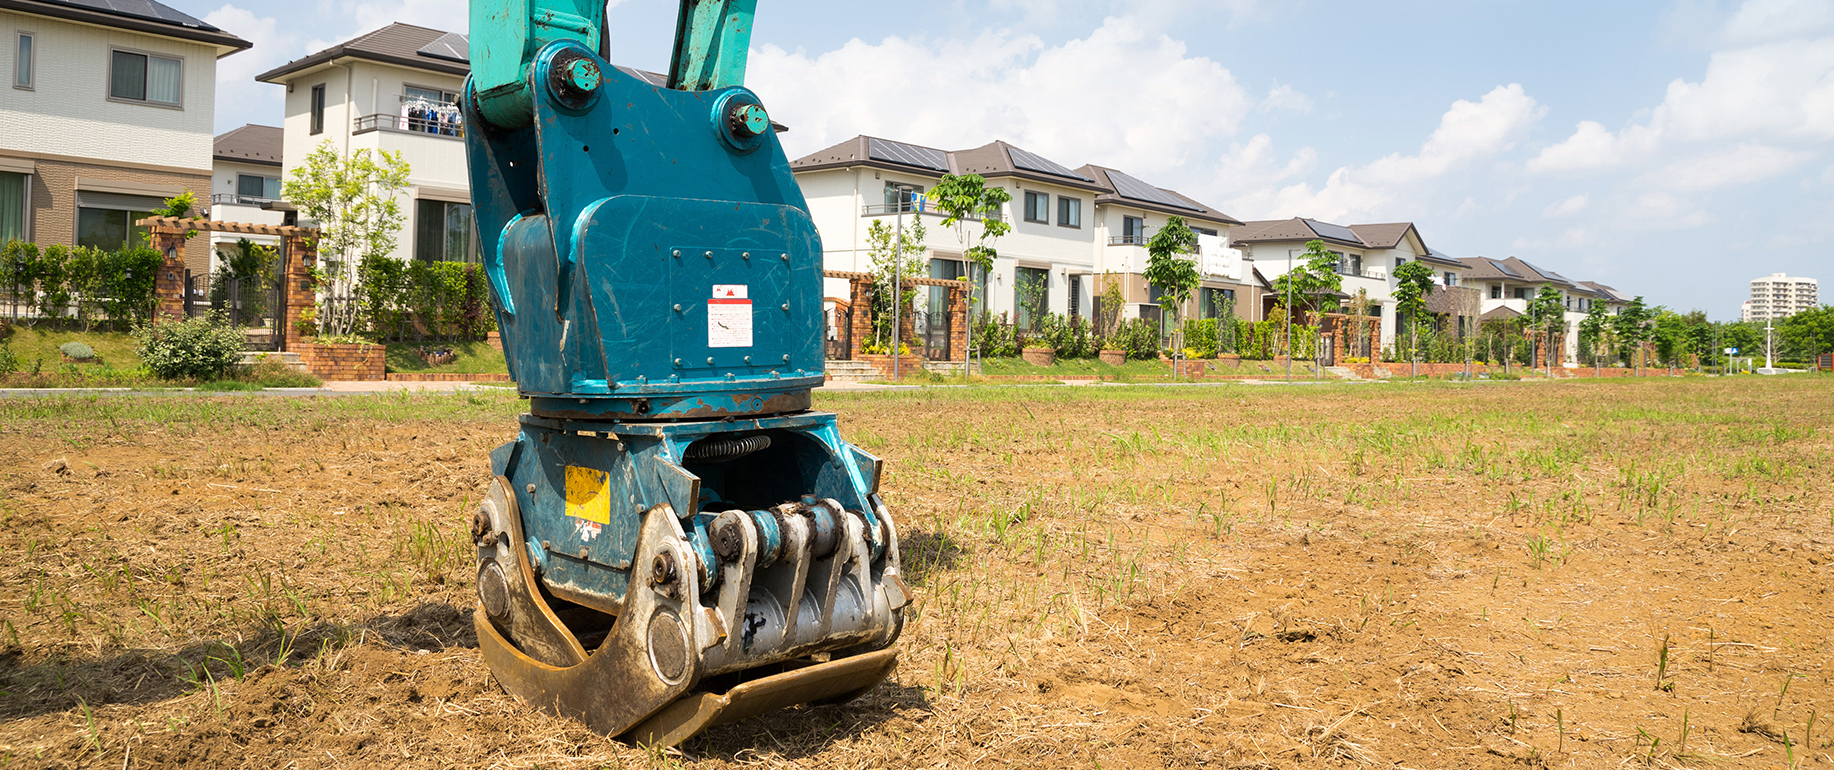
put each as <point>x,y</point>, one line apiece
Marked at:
<point>662,570</point>
<point>727,543</point>
<point>747,121</point>
<point>582,75</point>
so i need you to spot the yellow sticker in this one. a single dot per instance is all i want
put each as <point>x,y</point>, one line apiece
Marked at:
<point>588,495</point>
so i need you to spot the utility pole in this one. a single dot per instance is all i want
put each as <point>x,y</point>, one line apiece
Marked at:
<point>1289,315</point>
<point>1768,363</point>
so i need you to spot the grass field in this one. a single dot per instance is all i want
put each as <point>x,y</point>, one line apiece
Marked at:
<point>1422,575</point>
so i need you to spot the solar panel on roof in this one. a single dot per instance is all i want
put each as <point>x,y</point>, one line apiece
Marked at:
<point>141,9</point>
<point>1548,273</point>
<point>1129,187</point>
<point>1504,269</point>
<point>1337,232</point>
<point>451,45</point>
<point>906,154</point>
<point>1041,164</point>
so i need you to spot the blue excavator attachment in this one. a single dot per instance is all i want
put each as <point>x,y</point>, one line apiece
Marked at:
<point>673,540</point>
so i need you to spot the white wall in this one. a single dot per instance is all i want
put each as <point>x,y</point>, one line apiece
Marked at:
<point>69,112</point>
<point>356,88</point>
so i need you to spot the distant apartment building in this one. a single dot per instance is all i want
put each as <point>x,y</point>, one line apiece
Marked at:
<point>1780,296</point>
<point>1074,233</point>
<point>108,110</point>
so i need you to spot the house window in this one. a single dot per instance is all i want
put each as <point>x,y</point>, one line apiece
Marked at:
<point>139,77</point>
<point>1521,294</point>
<point>22,64</point>
<point>1496,291</point>
<point>443,232</point>
<point>901,197</point>
<point>1451,278</point>
<point>1031,296</point>
<point>1037,207</point>
<point>13,211</point>
<point>1215,303</point>
<point>318,109</point>
<point>1069,212</point>
<point>430,111</point>
<point>1349,264</point>
<point>1133,230</point>
<point>258,187</point>
<point>106,221</point>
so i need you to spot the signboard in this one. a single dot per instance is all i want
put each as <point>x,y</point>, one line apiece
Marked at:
<point>729,317</point>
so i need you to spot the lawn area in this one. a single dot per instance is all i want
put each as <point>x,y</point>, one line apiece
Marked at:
<point>473,358</point>
<point>33,344</point>
<point>1569,573</point>
<point>1131,369</point>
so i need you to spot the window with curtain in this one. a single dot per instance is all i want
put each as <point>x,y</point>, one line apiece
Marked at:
<point>138,77</point>
<point>318,109</point>
<point>1037,207</point>
<point>1069,212</point>
<point>254,186</point>
<point>12,206</point>
<point>443,232</point>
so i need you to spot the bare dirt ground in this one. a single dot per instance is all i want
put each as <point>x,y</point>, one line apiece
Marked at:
<point>1570,574</point>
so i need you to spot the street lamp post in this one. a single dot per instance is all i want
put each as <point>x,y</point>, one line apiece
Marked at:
<point>1289,315</point>
<point>897,279</point>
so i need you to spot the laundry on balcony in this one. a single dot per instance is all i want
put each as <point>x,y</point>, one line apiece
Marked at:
<point>423,116</point>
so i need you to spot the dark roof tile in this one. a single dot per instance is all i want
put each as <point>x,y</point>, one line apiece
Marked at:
<point>250,144</point>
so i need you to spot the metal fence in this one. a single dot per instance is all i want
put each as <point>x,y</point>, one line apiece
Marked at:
<point>839,334</point>
<point>254,305</point>
<point>933,331</point>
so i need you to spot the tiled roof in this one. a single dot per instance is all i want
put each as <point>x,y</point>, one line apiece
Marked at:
<point>1297,229</point>
<point>249,144</point>
<point>999,159</point>
<point>396,43</point>
<point>146,16</point>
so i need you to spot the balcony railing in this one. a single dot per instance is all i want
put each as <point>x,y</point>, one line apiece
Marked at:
<point>232,199</point>
<point>915,207</point>
<point>1136,239</point>
<point>400,125</point>
<point>1375,273</point>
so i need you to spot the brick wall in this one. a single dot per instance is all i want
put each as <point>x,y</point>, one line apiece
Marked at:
<point>344,361</point>
<point>54,200</point>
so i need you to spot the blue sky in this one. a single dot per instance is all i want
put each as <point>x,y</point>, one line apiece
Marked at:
<point>1675,150</point>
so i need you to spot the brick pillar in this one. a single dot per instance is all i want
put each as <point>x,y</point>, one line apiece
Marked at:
<point>860,319</point>
<point>1375,341</point>
<point>301,256</point>
<point>958,320</point>
<point>169,284</point>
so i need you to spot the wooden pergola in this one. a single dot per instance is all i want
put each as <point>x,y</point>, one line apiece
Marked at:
<point>170,234</point>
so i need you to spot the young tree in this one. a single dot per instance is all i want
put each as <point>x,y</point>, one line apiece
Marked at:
<point>963,198</point>
<point>1169,266</point>
<point>1595,333</point>
<point>1413,282</point>
<point>1312,280</point>
<point>1547,314</point>
<point>1631,326</point>
<point>883,244</point>
<point>353,200</point>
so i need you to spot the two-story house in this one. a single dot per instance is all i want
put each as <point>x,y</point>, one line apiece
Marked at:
<point>1367,256</point>
<point>1072,230</point>
<point>246,165</point>
<point>107,111</point>
<point>1507,285</point>
<point>395,89</point>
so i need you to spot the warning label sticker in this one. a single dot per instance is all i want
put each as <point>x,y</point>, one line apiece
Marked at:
<point>729,317</point>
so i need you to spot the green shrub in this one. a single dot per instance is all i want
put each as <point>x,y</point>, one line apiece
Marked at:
<point>201,348</point>
<point>1200,337</point>
<point>271,372</point>
<point>77,351</point>
<point>9,361</point>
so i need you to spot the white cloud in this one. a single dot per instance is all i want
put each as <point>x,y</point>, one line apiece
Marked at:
<point>1741,165</point>
<point>1760,20</point>
<point>237,92</point>
<point>1468,133</point>
<point>1283,98</point>
<point>1120,96</point>
<point>1568,207</point>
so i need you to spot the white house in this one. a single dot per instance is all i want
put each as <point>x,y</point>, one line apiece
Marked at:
<point>394,89</point>
<point>245,182</point>
<point>1367,256</point>
<point>108,110</point>
<point>1507,285</point>
<point>1072,230</point>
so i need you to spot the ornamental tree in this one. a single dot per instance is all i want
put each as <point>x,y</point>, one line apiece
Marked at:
<point>355,202</point>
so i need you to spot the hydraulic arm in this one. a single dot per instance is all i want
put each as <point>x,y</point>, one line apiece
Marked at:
<point>673,540</point>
